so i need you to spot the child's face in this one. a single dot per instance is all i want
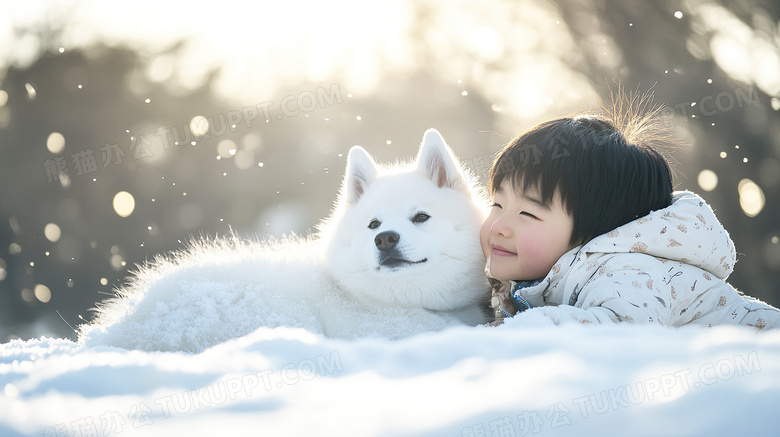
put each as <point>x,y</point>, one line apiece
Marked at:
<point>522,238</point>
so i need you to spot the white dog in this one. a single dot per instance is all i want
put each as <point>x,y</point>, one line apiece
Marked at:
<point>399,255</point>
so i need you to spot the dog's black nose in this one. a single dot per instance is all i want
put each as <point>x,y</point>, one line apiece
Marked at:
<point>386,240</point>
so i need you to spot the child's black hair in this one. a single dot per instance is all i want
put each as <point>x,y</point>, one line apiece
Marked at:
<point>608,170</point>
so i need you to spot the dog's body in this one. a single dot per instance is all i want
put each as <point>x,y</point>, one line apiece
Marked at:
<point>399,255</point>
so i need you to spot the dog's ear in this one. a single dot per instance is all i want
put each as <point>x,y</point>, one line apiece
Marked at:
<point>361,171</point>
<point>437,162</point>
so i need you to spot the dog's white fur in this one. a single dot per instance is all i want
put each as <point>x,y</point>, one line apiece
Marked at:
<point>332,284</point>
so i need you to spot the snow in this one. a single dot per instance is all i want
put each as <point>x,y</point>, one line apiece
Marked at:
<point>519,379</point>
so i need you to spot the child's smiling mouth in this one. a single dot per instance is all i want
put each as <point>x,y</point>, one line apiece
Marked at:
<point>501,251</point>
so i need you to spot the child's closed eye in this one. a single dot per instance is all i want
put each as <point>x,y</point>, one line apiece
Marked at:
<point>496,205</point>
<point>528,214</point>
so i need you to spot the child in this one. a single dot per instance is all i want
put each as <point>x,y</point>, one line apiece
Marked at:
<point>585,227</point>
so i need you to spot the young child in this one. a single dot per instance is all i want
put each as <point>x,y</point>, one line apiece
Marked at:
<point>585,228</point>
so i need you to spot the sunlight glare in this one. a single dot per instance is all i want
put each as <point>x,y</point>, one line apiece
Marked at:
<point>745,54</point>
<point>487,43</point>
<point>249,52</point>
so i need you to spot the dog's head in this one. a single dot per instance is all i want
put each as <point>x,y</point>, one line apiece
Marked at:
<point>408,235</point>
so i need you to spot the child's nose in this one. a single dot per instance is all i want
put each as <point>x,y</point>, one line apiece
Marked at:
<point>499,227</point>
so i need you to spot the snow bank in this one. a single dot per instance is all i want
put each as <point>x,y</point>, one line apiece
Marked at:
<point>506,381</point>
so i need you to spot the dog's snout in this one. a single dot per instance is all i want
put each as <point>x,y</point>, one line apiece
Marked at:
<point>386,240</point>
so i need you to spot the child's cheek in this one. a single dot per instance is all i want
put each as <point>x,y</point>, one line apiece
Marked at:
<point>533,251</point>
<point>529,244</point>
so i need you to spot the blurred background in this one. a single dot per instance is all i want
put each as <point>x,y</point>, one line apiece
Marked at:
<point>127,130</point>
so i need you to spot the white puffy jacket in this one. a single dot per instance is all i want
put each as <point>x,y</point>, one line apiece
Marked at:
<point>668,267</point>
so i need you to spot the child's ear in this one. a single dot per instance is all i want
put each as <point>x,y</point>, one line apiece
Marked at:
<point>437,162</point>
<point>361,172</point>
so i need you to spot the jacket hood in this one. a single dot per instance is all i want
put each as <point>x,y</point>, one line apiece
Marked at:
<point>686,231</point>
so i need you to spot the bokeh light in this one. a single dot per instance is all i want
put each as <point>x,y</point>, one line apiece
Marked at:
<point>707,180</point>
<point>52,232</point>
<point>751,198</point>
<point>226,148</point>
<point>42,293</point>
<point>124,203</point>
<point>27,295</point>
<point>31,93</point>
<point>772,252</point>
<point>55,142</point>
<point>199,125</point>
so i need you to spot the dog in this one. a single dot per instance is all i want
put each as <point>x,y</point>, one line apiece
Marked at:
<point>398,255</point>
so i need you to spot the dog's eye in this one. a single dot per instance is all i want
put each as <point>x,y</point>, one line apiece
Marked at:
<point>374,224</point>
<point>420,217</point>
